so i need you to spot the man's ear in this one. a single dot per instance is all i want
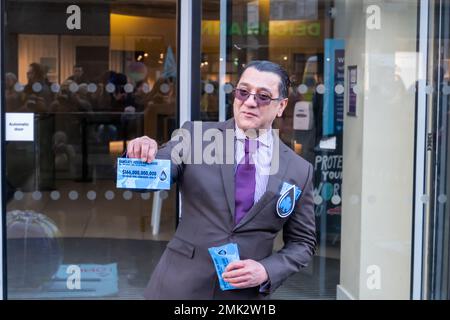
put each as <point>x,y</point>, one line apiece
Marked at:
<point>282,106</point>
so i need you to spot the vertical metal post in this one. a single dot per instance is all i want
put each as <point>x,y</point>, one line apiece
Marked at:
<point>223,59</point>
<point>189,65</point>
<point>2,173</point>
<point>428,219</point>
<point>420,212</point>
<point>185,61</point>
<point>185,58</point>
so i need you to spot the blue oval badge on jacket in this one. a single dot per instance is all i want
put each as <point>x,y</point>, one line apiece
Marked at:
<point>286,202</point>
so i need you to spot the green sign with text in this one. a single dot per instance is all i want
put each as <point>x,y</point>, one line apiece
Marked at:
<point>273,28</point>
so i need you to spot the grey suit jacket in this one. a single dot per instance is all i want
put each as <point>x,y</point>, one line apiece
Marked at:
<point>186,271</point>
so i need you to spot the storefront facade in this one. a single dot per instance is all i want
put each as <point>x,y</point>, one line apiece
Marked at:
<point>368,107</point>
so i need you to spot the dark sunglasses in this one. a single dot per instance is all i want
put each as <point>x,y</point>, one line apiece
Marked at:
<point>262,99</point>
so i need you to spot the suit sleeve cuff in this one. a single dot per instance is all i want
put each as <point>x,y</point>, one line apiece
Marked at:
<point>265,287</point>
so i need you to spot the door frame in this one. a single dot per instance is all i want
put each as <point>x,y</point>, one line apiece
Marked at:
<point>189,29</point>
<point>3,293</point>
<point>423,173</point>
<point>426,284</point>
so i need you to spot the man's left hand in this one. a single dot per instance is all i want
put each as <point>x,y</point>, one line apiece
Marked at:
<point>245,274</point>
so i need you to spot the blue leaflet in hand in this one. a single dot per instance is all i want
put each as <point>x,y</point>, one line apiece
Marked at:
<point>221,257</point>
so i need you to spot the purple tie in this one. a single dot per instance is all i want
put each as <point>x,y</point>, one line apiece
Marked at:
<point>245,182</point>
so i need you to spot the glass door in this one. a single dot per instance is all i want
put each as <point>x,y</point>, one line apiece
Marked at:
<point>438,227</point>
<point>82,79</point>
<point>299,36</point>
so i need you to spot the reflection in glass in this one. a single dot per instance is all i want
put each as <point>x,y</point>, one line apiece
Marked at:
<point>292,34</point>
<point>91,90</point>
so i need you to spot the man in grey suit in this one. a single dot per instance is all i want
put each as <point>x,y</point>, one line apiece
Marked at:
<point>237,198</point>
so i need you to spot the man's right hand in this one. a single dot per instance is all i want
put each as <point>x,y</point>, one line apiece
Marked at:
<point>143,148</point>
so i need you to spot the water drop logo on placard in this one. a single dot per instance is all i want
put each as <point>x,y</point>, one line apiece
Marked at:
<point>163,176</point>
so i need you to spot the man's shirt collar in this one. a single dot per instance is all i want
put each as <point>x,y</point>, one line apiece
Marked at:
<point>265,138</point>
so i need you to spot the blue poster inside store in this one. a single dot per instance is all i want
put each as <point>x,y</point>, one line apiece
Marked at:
<point>339,80</point>
<point>328,159</point>
<point>333,100</point>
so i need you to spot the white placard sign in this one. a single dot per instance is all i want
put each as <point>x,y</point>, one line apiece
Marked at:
<point>19,126</point>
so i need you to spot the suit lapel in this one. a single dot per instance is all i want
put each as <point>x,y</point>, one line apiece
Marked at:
<point>273,185</point>
<point>228,184</point>
<point>227,166</point>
